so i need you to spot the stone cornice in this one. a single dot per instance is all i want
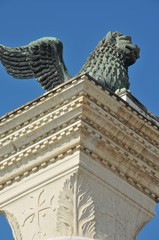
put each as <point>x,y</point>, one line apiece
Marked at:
<point>122,135</point>
<point>46,96</point>
<point>80,116</point>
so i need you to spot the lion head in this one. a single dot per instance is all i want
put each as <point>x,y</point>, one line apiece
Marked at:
<point>109,62</point>
<point>124,44</point>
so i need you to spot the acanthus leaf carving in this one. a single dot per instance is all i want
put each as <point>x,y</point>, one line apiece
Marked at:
<point>76,212</point>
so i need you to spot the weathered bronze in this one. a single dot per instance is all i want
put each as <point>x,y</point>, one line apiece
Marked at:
<point>109,62</point>
<point>43,60</point>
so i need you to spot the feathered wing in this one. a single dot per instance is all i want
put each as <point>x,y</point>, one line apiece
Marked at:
<point>41,59</point>
<point>16,61</point>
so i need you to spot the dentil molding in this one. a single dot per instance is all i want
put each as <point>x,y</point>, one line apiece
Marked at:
<point>78,161</point>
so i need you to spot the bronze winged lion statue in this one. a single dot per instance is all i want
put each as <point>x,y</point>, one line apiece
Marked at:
<point>43,60</point>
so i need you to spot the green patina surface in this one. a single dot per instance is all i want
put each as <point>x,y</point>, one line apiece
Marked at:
<point>43,60</point>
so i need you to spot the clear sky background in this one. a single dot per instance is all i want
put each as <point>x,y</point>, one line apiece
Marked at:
<point>80,25</point>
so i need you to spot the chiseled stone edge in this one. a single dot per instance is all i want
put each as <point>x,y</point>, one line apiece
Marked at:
<point>113,121</point>
<point>114,145</point>
<point>130,112</point>
<point>36,126</point>
<point>94,156</point>
<point>48,95</point>
<point>146,145</point>
<point>53,138</point>
<point>121,174</point>
<point>40,147</point>
<point>57,90</point>
<point>55,109</point>
<point>36,168</point>
<point>114,98</point>
<point>41,142</point>
<point>119,123</point>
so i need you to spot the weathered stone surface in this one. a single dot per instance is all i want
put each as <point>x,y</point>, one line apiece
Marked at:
<point>78,161</point>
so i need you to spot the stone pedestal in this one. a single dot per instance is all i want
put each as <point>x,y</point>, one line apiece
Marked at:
<point>79,163</point>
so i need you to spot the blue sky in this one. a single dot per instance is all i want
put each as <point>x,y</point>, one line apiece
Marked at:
<point>81,25</point>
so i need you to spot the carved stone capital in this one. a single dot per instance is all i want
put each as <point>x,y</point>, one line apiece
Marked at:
<point>80,162</point>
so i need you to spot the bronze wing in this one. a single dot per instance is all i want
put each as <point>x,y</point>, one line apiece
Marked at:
<point>41,59</point>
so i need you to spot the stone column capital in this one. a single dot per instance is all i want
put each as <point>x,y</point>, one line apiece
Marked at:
<point>80,163</point>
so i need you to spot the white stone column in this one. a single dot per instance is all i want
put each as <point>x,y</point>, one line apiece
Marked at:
<point>78,163</point>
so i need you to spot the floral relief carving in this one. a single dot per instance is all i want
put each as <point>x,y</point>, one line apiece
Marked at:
<point>37,212</point>
<point>76,212</point>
